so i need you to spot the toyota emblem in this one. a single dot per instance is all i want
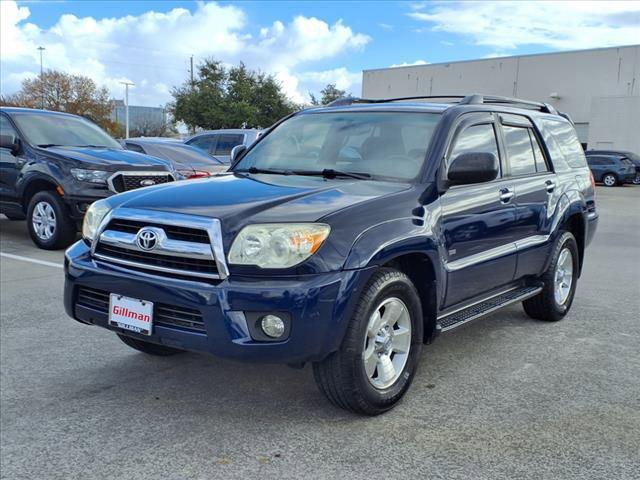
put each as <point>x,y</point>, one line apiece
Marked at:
<point>146,239</point>
<point>147,182</point>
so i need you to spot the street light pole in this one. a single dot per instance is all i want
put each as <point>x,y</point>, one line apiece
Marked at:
<point>41,79</point>
<point>126,107</point>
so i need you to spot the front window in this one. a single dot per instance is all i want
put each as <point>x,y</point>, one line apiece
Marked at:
<point>48,129</point>
<point>387,145</point>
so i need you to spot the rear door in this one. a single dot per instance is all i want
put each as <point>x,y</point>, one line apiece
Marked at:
<point>534,184</point>
<point>477,220</point>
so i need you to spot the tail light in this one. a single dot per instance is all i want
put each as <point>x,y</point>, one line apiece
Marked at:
<point>593,183</point>
<point>192,174</point>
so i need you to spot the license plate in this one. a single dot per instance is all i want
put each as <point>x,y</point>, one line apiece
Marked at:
<point>131,314</point>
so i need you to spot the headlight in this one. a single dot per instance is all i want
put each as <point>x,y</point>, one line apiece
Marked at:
<point>92,219</point>
<point>91,176</point>
<point>277,245</point>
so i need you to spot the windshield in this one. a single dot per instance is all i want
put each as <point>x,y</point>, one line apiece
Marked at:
<point>388,145</point>
<point>46,129</point>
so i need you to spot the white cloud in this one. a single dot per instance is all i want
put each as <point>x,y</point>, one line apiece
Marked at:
<point>153,49</point>
<point>554,24</point>
<point>405,64</point>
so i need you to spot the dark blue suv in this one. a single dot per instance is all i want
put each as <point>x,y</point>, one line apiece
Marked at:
<point>347,236</point>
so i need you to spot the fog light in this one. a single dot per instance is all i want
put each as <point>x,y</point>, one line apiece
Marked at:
<point>272,326</point>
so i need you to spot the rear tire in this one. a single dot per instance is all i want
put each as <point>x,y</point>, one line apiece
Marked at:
<point>609,180</point>
<point>560,280</point>
<point>357,377</point>
<point>148,347</point>
<point>49,223</point>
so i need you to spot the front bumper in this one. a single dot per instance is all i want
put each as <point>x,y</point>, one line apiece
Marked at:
<point>319,307</point>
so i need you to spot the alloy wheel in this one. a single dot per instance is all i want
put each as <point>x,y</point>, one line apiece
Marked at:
<point>609,180</point>
<point>563,278</point>
<point>387,343</point>
<point>44,220</point>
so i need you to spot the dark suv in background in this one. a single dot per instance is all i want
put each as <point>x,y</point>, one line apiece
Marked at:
<point>347,236</point>
<point>613,167</point>
<point>54,165</point>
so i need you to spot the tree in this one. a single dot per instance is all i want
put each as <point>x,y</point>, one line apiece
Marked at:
<point>63,92</point>
<point>328,94</point>
<point>235,97</point>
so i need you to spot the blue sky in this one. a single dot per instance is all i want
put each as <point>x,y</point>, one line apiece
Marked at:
<point>306,44</point>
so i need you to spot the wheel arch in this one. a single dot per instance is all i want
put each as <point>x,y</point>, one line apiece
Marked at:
<point>35,184</point>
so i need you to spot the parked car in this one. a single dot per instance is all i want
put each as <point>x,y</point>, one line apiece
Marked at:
<point>190,162</point>
<point>619,158</point>
<point>347,236</point>
<point>53,165</point>
<point>220,142</point>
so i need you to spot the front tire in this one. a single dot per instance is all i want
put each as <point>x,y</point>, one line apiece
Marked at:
<point>560,279</point>
<point>609,180</point>
<point>148,347</point>
<point>379,355</point>
<point>48,221</point>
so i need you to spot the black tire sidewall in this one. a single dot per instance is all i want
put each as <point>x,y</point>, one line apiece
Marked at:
<point>65,227</point>
<point>402,288</point>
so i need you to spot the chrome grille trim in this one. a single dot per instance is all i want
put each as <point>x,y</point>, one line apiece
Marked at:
<point>138,173</point>
<point>213,251</point>
<point>166,246</point>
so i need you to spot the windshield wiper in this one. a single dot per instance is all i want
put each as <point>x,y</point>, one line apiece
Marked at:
<point>47,145</point>
<point>92,146</point>
<point>331,173</point>
<point>273,171</point>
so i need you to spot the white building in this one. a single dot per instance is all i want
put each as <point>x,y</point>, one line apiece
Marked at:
<point>599,88</point>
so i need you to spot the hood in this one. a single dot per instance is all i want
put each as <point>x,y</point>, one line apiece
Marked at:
<point>237,199</point>
<point>108,158</point>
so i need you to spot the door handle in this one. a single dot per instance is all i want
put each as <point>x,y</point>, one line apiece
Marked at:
<point>550,185</point>
<point>506,194</point>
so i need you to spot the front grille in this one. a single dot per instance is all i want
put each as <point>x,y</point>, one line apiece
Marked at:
<point>186,234</point>
<point>150,260</point>
<point>164,315</point>
<point>124,182</point>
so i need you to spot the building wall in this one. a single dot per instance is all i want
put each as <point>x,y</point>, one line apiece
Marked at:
<point>615,123</point>
<point>140,118</point>
<point>567,80</point>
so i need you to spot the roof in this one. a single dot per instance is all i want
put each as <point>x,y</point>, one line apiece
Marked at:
<point>228,130</point>
<point>33,110</point>
<point>565,52</point>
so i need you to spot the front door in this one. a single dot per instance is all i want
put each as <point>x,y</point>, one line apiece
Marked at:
<point>10,164</point>
<point>478,220</point>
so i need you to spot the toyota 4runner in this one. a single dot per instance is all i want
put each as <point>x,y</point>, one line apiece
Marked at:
<point>347,236</point>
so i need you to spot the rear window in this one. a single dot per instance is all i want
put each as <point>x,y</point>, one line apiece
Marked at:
<point>563,143</point>
<point>226,142</point>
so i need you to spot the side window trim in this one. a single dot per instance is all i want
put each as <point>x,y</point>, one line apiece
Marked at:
<point>526,123</point>
<point>463,126</point>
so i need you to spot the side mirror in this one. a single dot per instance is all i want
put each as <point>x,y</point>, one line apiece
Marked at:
<point>236,153</point>
<point>10,142</point>
<point>473,167</point>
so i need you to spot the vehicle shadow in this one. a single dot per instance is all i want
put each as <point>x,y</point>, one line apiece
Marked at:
<point>198,385</point>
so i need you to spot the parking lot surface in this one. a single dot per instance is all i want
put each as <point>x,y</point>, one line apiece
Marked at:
<point>503,397</point>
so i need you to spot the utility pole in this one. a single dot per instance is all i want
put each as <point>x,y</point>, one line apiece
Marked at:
<point>126,107</point>
<point>191,70</point>
<point>41,79</point>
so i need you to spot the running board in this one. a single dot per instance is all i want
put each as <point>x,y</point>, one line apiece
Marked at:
<point>456,319</point>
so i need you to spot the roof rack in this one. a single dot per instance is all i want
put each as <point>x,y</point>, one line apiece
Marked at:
<point>473,99</point>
